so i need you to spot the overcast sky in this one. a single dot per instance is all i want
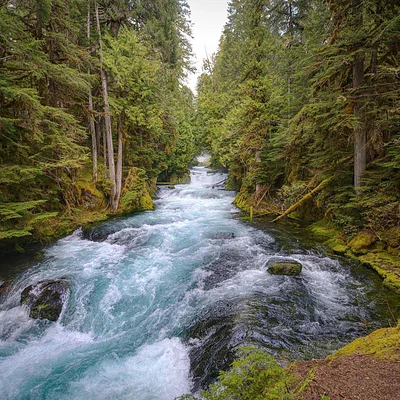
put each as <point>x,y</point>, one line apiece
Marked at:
<point>208,18</point>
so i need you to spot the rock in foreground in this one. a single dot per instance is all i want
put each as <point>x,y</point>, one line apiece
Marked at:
<point>289,268</point>
<point>45,298</point>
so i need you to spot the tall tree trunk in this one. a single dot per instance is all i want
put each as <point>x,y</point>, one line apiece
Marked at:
<point>91,112</point>
<point>107,120</point>
<point>360,134</point>
<point>119,160</point>
<point>103,135</point>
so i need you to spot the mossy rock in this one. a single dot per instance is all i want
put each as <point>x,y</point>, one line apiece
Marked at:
<point>337,245</point>
<point>362,242</point>
<point>386,265</point>
<point>171,186</point>
<point>45,299</point>
<point>288,268</point>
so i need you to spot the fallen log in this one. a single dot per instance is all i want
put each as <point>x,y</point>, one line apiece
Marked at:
<point>308,196</point>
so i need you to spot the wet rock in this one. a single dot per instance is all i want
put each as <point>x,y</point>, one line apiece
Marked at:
<point>4,288</point>
<point>223,235</point>
<point>284,267</point>
<point>45,298</point>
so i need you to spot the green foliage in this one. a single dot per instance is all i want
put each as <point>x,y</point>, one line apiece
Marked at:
<point>135,195</point>
<point>48,59</point>
<point>276,106</point>
<point>255,375</point>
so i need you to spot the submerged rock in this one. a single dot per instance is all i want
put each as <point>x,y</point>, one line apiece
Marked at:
<point>45,298</point>
<point>223,235</point>
<point>284,267</point>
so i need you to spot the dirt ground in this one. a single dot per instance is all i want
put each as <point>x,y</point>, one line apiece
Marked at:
<point>350,377</point>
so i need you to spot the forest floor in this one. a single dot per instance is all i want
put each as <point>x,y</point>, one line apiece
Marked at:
<point>366,369</point>
<point>354,377</point>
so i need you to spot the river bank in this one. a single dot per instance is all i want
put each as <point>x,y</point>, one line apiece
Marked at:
<point>375,249</point>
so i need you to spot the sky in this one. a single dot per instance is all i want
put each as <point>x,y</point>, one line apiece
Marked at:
<point>208,18</point>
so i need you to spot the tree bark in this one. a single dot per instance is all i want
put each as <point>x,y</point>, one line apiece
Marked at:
<point>360,134</point>
<point>91,113</point>
<point>107,120</point>
<point>119,160</point>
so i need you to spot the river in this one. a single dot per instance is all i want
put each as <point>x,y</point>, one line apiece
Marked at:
<point>159,300</point>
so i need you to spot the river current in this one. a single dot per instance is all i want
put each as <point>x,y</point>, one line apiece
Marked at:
<point>159,300</point>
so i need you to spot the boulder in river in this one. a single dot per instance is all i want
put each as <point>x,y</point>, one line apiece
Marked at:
<point>284,267</point>
<point>45,298</point>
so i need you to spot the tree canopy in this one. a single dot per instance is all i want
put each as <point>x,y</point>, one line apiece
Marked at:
<point>90,87</point>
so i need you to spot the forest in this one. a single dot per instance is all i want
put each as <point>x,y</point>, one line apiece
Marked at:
<point>93,110</point>
<point>299,106</point>
<point>304,96</point>
<point>301,98</point>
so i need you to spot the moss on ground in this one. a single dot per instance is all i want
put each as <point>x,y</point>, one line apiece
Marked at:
<point>362,242</point>
<point>383,344</point>
<point>386,265</point>
<point>365,248</point>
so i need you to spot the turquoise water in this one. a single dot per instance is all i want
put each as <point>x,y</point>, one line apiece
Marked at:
<point>159,300</point>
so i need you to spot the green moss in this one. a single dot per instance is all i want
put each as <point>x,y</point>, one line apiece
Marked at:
<point>254,376</point>
<point>382,344</point>
<point>285,268</point>
<point>136,193</point>
<point>362,242</point>
<point>337,245</point>
<point>326,233</point>
<point>242,201</point>
<point>392,237</point>
<point>137,201</point>
<point>386,265</point>
<point>322,230</point>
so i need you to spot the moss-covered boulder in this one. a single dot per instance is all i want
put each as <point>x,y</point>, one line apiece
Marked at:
<point>284,267</point>
<point>45,298</point>
<point>364,240</point>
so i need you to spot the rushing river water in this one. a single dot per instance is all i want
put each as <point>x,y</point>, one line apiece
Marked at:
<point>159,300</point>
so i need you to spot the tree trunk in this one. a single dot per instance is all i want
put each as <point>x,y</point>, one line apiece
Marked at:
<point>119,160</point>
<point>91,113</point>
<point>360,134</point>
<point>103,135</point>
<point>107,120</point>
